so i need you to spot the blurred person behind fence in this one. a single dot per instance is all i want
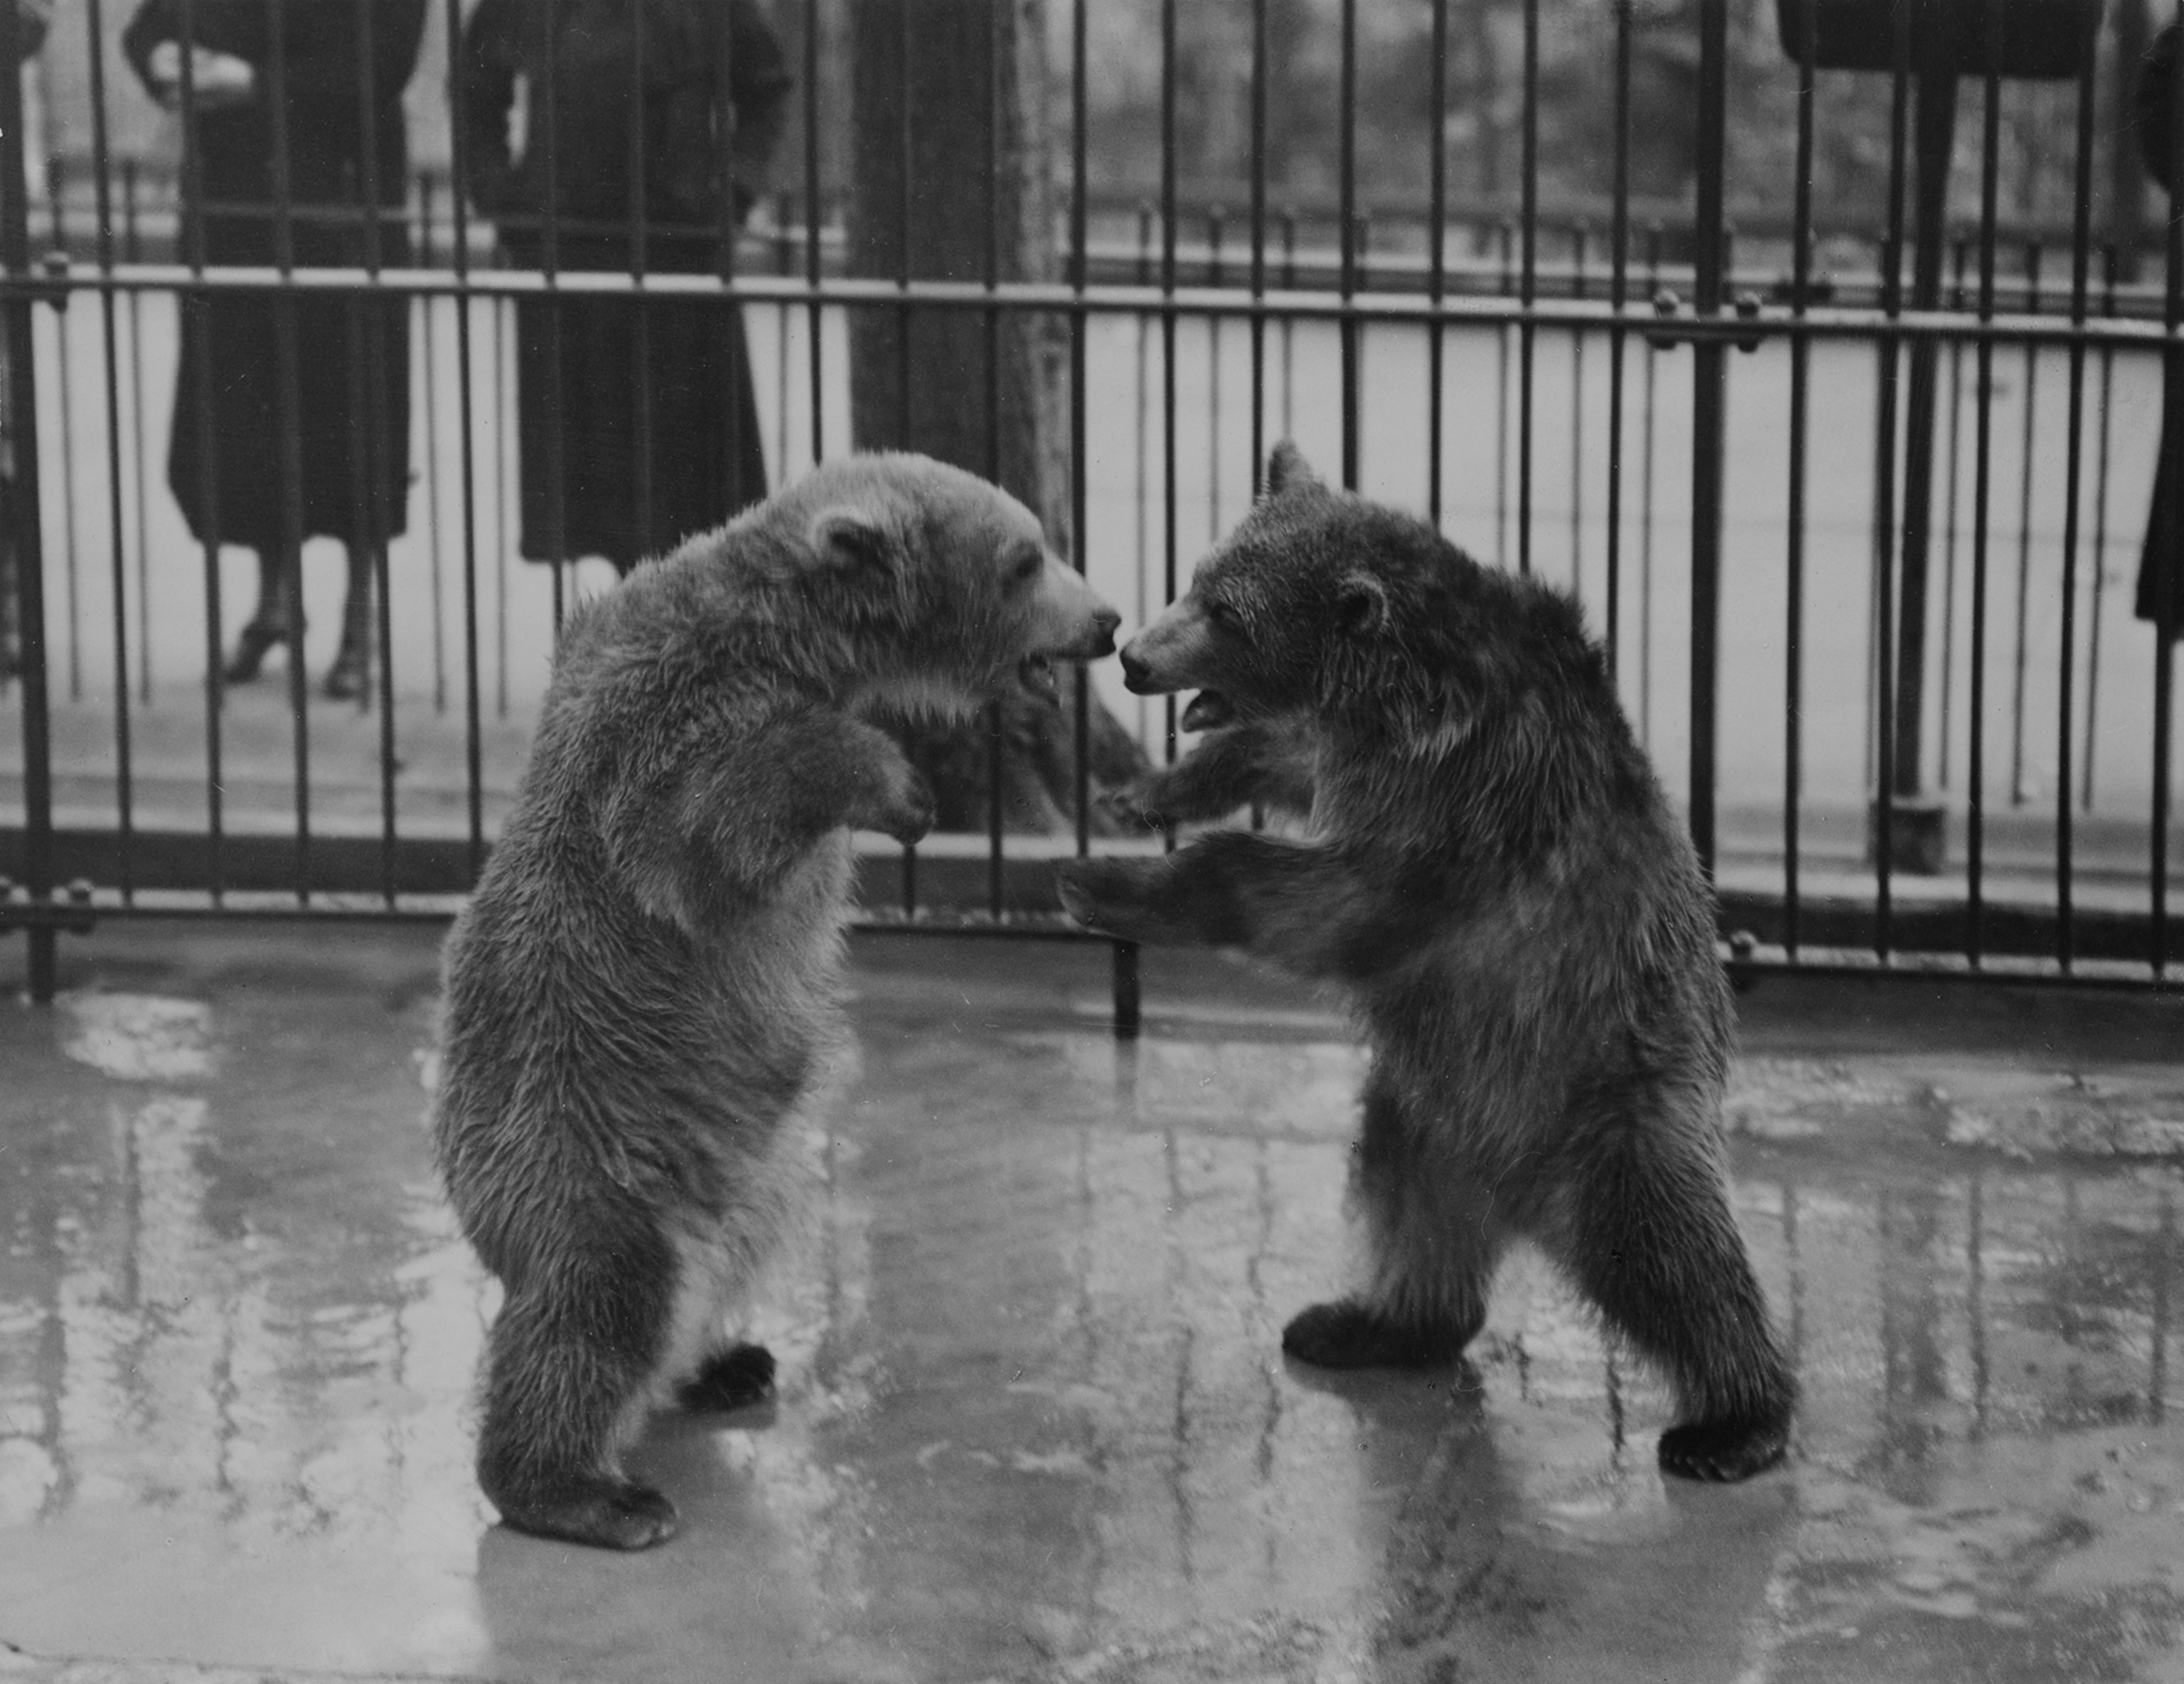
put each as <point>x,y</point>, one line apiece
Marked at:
<point>713,79</point>
<point>2161,556</point>
<point>352,359</point>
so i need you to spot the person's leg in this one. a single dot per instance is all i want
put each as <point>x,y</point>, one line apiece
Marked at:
<point>268,623</point>
<point>350,676</point>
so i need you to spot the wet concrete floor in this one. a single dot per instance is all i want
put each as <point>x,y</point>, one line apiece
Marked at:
<point>1034,1421</point>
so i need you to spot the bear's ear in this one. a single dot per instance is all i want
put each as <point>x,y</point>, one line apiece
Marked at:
<point>848,540</point>
<point>1287,470</point>
<point>1361,605</point>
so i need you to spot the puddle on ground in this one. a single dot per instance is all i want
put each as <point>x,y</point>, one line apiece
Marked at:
<point>137,1037</point>
<point>1034,1421</point>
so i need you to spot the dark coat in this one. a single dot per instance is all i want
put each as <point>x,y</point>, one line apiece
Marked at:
<point>607,386</point>
<point>352,359</point>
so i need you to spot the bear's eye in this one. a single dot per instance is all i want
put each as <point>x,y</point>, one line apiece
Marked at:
<point>1025,566</point>
<point>1221,616</point>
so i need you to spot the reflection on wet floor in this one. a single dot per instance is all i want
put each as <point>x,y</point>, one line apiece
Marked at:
<point>1034,1419</point>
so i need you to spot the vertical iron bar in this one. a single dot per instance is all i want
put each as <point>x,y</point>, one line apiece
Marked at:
<point>784,324</point>
<point>1504,281</point>
<point>1935,129</point>
<point>1080,448</point>
<point>507,328</point>
<point>814,351</point>
<point>993,350</point>
<point>1949,527</point>
<point>1144,278</point>
<point>1708,398</point>
<point>2109,268</point>
<point>102,188</point>
<point>1982,468</point>
<point>1793,636</point>
<point>1167,344</point>
<point>2024,534</point>
<point>906,140</point>
<point>25,506</point>
<point>195,309</point>
<point>1883,791</point>
<point>1646,509</point>
<point>133,252</point>
<point>57,259</point>
<point>290,408</point>
<point>2164,591</point>
<point>1578,240</point>
<point>1348,189</point>
<point>1215,277</point>
<point>423,314</point>
<point>2080,261</point>
<point>1123,955</point>
<point>459,226</point>
<point>1289,323</point>
<point>1258,260</point>
<point>640,345</point>
<point>378,446</point>
<point>1618,259</point>
<point>729,336</point>
<point>1437,261</point>
<point>548,315</point>
<point>1527,283</point>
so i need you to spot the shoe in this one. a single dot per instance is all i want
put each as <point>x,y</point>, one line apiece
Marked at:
<point>350,675</point>
<point>257,640</point>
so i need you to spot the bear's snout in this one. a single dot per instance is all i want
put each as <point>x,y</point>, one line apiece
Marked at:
<point>1105,625</point>
<point>1137,675</point>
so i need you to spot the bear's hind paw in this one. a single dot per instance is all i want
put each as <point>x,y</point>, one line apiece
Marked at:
<point>606,1514</point>
<point>1347,1334</point>
<point>733,1379</point>
<point>1724,1451</point>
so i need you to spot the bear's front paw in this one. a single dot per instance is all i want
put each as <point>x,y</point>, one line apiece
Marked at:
<point>1106,895</point>
<point>908,814</point>
<point>731,1379</point>
<point>1128,808</point>
<point>1145,804</point>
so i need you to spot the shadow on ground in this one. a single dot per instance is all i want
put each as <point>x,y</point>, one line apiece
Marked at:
<point>1034,1423</point>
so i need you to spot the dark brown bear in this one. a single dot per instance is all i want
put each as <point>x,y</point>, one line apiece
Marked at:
<point>1493,871</point>
<point>642,992</point>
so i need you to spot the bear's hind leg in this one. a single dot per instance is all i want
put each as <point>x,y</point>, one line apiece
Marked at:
<point>1432,1247</point>
<point>566,1372</point>
<point>733,1377</point>
<point>1648,1234</point>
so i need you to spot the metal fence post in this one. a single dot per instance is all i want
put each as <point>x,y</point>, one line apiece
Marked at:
<point>1709,405</point>
<point>23,519</point>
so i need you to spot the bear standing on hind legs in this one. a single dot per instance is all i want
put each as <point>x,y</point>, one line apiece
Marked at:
<point>643,989</point>
<point>1493,870</point>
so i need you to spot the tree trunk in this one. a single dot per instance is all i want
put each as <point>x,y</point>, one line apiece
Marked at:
<point>950,136</point>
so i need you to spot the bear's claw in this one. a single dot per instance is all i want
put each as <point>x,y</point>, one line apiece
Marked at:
<point>1724,1451</point>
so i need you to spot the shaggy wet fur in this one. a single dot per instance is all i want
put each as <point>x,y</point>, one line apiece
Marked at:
<point>1493,871</point>
<point>642,993</point>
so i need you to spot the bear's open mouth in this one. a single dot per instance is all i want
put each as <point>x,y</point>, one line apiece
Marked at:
<point>1209,710</point>
<point>1035,673</point>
